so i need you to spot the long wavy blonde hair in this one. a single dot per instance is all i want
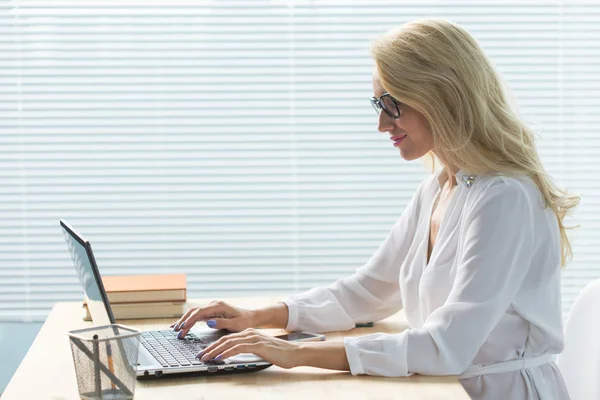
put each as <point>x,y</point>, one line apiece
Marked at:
<point>437,68</point>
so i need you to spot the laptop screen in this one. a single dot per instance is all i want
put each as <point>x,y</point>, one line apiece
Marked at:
<point>89,277</point>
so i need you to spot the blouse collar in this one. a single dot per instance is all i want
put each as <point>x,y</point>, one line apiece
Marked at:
<point>462,178</point>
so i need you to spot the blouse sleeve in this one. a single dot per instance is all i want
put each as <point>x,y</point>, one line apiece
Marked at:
<point>370,294</point>
<point>497,248</point>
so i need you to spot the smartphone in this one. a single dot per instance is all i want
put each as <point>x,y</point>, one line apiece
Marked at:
<point>302,337</point>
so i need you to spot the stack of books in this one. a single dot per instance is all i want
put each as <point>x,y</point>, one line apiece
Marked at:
<point>144,296</point>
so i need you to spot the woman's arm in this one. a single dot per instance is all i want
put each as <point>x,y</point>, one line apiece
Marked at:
<point>328,355</point>
<point>275,316</point>
<point>371,294</point>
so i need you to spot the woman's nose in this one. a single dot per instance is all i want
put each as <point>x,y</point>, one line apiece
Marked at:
<point>385,123</point>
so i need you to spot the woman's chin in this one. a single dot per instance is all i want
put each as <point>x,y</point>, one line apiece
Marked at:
<point>408,155</point>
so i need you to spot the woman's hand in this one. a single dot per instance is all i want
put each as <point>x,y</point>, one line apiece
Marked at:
<point>276,351</point>
<point>219,315</point>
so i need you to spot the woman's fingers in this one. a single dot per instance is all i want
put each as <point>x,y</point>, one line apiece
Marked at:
<point>237,349</point>
<point>219,314</point>
<point>271,349</point>
<point>198,314</point>
<point>187,324</point>
<point>175,326</point>
<point>221,323</point>
<point>221,346</point>
<point>233,336</point>
<point>185,319</point>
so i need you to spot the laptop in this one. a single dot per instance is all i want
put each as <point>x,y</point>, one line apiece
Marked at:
<point>161,353</point>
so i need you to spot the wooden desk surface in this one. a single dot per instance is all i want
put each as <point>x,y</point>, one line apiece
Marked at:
<point>47,370</point>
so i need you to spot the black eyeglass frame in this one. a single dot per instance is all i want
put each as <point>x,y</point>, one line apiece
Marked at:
<point>378,105</point>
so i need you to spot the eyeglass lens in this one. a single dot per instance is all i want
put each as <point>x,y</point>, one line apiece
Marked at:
<point>390,106</point>
<point>386,103</point>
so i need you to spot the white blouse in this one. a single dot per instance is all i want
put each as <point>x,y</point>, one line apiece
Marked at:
<point>489,294</point>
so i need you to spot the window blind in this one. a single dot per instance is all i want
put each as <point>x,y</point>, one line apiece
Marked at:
<point>233,140</point>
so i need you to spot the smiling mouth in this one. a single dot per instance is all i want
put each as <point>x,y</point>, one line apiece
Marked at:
<point>398,139</point>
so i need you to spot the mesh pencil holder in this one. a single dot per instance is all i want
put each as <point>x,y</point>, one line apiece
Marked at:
<point>105,359</point>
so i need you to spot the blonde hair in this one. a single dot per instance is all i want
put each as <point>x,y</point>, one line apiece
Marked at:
<point>437,68</point>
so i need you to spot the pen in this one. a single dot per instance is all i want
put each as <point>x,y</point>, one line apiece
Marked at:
<point>96,358</point>
<point>111,366</point>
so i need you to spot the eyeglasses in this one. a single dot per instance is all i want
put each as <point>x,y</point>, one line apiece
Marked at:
<point>388,104</point>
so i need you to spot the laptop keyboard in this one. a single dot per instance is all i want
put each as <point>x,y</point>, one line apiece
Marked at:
<point>170,351</point>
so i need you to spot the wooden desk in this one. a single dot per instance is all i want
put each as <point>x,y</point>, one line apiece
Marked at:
<point>47,370</point>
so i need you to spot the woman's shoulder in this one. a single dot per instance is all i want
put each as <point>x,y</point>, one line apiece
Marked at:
<point>504,188</point>
<point>505,182</point>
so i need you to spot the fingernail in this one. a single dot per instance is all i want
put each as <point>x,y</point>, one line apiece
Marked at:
<point>199,355</point>
<point>203,358</point>
<point>218,357</point>
<point>181,326</point>
<point>211,323</point>
<point>179,334</point>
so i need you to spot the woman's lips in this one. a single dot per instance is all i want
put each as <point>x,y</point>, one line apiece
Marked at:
<point>397,139</point>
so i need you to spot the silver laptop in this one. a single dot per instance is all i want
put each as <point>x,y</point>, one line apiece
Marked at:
<point>161,352</point>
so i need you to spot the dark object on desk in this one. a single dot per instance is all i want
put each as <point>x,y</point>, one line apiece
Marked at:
<point>364,325</point>
<point>214,370</point>
<point>302,337</point>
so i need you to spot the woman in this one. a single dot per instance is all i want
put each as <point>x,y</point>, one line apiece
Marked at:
<point>475,258</point>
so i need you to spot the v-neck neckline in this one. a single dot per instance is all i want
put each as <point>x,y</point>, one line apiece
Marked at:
<point>450,207</point>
